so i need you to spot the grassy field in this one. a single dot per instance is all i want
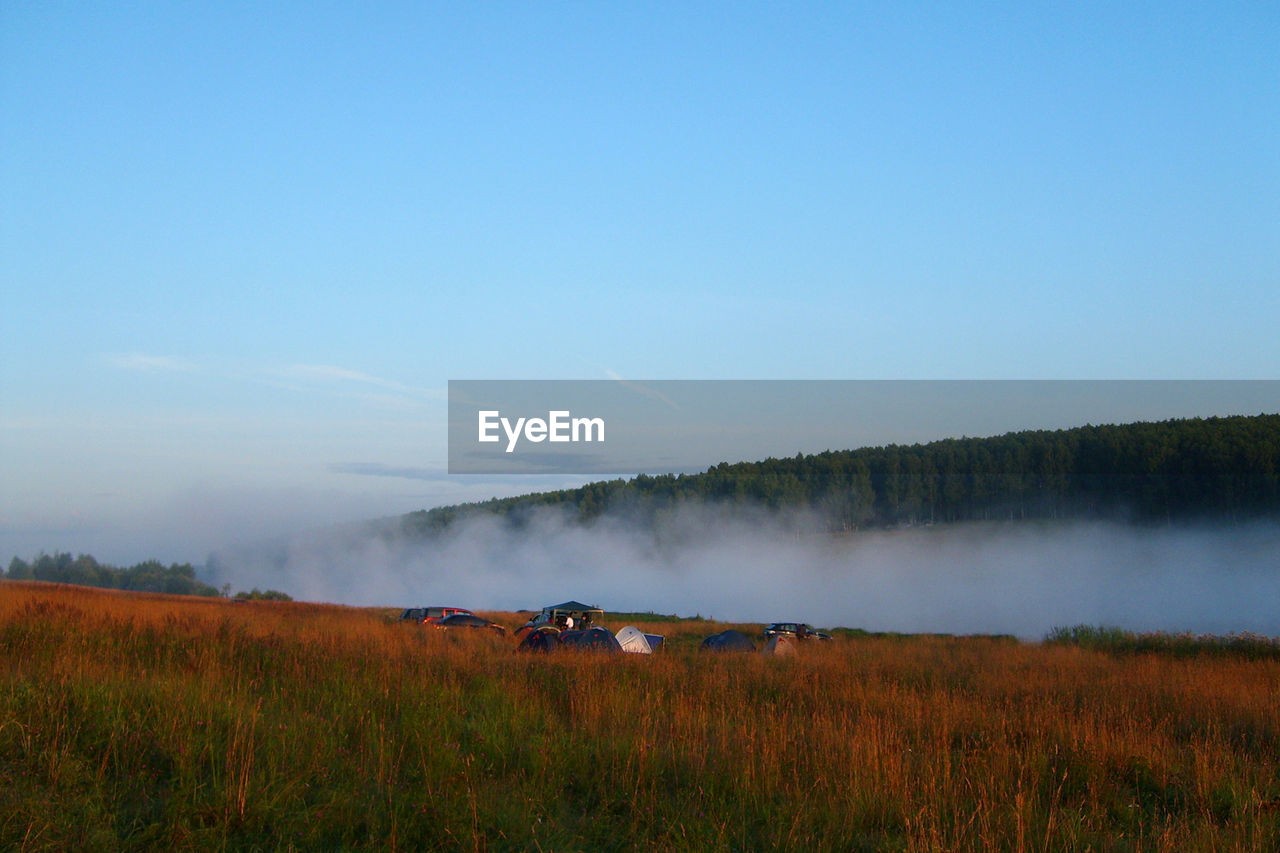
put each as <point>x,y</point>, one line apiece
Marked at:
<point>133,721</point>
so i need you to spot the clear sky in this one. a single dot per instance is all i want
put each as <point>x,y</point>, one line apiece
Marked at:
<point>243,246</point>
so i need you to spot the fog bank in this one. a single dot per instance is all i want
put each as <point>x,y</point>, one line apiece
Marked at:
<point>1019,578</point>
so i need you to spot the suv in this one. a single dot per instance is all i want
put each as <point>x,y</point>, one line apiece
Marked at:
<point>559,615</point>
<point>799,630</point>
<point>432,614</point>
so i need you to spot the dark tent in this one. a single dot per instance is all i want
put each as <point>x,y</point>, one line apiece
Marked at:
<point>540,640</point>
<point>592,639</point>
<point>728,641</point>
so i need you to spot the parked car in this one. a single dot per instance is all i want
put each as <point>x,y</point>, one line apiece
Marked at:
<point>571,615</point>
<point>799,630</point>
<point>432,614</point>
<point>468,620</point>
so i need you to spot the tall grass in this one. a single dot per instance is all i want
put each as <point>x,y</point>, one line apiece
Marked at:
<point>143,722</point>
<point>1119,641</point>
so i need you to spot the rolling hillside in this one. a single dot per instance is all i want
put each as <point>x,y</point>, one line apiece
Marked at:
<point>1224,468</point>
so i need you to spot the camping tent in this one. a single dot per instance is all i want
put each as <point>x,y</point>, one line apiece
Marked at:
<point>540,640</point>
<point>780,644</point>
<point>592,639</point>
<point>728,641</point>
<point>633,640</point>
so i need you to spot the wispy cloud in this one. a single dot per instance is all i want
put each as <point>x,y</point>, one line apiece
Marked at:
<point>331,374</point>
<point>148,363</point>
<point>305,378</point>
<point>642,390</point>
<point>373,469</point>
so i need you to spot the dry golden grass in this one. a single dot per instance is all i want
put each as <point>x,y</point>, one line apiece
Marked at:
<point>143,721</point>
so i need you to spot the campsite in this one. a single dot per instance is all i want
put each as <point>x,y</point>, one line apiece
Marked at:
<point>574,625</point>
<point>144,721</point>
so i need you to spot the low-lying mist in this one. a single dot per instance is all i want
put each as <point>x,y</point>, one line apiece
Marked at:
<point>1021,578</point>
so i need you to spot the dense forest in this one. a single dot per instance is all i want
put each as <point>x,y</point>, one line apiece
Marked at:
<point>148,576</point>
<point>1224,468</point>
<point>84,570</point>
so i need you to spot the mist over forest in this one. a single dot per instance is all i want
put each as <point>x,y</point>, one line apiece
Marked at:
<point>1023,578</point>
<point>1169,526</point>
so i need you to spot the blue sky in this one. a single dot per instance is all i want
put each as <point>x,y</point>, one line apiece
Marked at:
<point>243,247</point>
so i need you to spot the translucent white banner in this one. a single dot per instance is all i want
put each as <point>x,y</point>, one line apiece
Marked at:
<point>626,427</point>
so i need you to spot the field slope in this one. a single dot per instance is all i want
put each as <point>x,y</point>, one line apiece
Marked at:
<point>134,721</point>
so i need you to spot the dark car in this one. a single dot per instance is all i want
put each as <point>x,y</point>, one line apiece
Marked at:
<point>431,614</point>
<point>468,620</point>
<point>799,630</point>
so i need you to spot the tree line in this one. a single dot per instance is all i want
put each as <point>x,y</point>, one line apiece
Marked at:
<point>1216,468</point>
<point>147,576</point>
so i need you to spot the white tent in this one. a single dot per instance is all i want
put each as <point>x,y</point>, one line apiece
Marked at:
<point>632,639</point>
<point>780,644</point>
